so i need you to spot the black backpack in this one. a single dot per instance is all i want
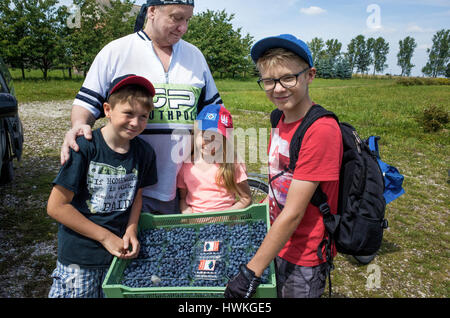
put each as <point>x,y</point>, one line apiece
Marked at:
<point>357,228</point>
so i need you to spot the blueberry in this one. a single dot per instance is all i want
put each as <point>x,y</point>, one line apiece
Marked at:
<point>213,232</point>
<point>240,235</point>
<point>170,257</point>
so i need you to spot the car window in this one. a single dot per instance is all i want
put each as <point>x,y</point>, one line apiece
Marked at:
<point>5,79</point>
<point>3,87</point>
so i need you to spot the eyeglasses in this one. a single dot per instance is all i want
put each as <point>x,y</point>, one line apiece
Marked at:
<point>287,81</point>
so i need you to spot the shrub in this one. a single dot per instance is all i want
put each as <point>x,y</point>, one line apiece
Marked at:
<point>434,118</point>
<point>410,81</point>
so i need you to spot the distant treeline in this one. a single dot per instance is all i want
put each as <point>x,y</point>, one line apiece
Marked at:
<point>40,34</point>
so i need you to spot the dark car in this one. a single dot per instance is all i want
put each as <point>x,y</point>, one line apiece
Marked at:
<point>11,132</point>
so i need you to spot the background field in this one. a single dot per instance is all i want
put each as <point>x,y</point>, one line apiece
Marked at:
<point>413,260</point>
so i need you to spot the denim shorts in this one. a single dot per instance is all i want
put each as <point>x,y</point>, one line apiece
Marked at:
<point>295,281</point>
<point>71,281</point>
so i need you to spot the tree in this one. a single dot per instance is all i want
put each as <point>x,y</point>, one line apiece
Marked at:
<point>225,49</point>
<point>438,55</point>
<point>370,46</point>
<point>343,68</point>
<point>14,32</point>
<point>248,66</point>
<point>116,19</point>
<point>380,52</point>
<point>32,33</point>
<point>316,47</point>
<point>350,55</point>
<point>406,51</point>
<point>325,68</point>
<point>45,24</point>
<point>362,54</point>
<point>333,50</point>
<point>65,59</point>
<point>99,25</point>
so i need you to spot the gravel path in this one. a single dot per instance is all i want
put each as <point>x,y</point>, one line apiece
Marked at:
<point>25,258</point>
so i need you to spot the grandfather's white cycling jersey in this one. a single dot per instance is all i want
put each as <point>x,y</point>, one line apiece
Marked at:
<point>180,94</point>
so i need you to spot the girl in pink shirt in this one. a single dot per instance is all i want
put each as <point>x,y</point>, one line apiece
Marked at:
<point>213,180</point>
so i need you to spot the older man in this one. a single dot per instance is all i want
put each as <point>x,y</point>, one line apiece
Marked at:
<point>183,84</point>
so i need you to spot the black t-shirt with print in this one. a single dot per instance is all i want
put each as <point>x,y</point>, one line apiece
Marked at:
<point>104,184</point>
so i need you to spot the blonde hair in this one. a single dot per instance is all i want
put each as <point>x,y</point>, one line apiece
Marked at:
<point>278,56</point>
<point>226,175</point>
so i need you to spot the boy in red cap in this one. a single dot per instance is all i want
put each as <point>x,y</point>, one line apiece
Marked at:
<point>297,232</point>
<point>97,194</point>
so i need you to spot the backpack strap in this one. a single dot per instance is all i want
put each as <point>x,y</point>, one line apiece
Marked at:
<point>314,113</point>
<point>275,117</point>
<point>372,142</point>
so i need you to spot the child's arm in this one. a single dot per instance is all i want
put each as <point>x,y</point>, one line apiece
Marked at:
<point>131,232</point>
<point>245,196</point>
<point>299,195</point>
<point>184,207</point>
<point>60,209</point>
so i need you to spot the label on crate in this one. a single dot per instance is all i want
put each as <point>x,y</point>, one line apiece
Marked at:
<point>207,265</point>
<point>211,246</point>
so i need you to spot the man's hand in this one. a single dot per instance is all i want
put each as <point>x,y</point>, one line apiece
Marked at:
<point>82,121</point>
<point>243,285</point>
<point>70,140</point>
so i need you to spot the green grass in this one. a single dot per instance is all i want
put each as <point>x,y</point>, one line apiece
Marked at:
<point>413,259</point>
<point>58,86</point>
<point>40,90</point>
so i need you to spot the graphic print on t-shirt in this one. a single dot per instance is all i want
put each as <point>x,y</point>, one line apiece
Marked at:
<point>278,160</point>
<point>111,188</point>
<point>174,103</point>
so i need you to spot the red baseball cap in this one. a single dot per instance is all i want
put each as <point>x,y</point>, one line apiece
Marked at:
<point>131,79</point>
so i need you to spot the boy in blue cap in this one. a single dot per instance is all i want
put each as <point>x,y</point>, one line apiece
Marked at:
<point>286,68</point>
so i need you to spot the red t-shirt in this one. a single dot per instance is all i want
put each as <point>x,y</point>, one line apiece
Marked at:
<point>320,159</point>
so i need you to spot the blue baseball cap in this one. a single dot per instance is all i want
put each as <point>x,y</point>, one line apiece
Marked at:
<point>286,41</point>
<point>215,117</point>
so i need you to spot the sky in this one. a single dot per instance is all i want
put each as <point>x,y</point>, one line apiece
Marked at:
<point>343,20</point>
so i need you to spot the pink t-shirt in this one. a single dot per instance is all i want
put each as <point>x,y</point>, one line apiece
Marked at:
<point>203,194</point>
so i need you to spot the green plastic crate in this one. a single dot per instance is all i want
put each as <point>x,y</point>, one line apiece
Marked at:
<point>113,288</point>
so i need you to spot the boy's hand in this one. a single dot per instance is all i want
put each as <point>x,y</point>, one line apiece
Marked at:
<point>243,285</point>
<point>113,245</point>
<point>130,239</point>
